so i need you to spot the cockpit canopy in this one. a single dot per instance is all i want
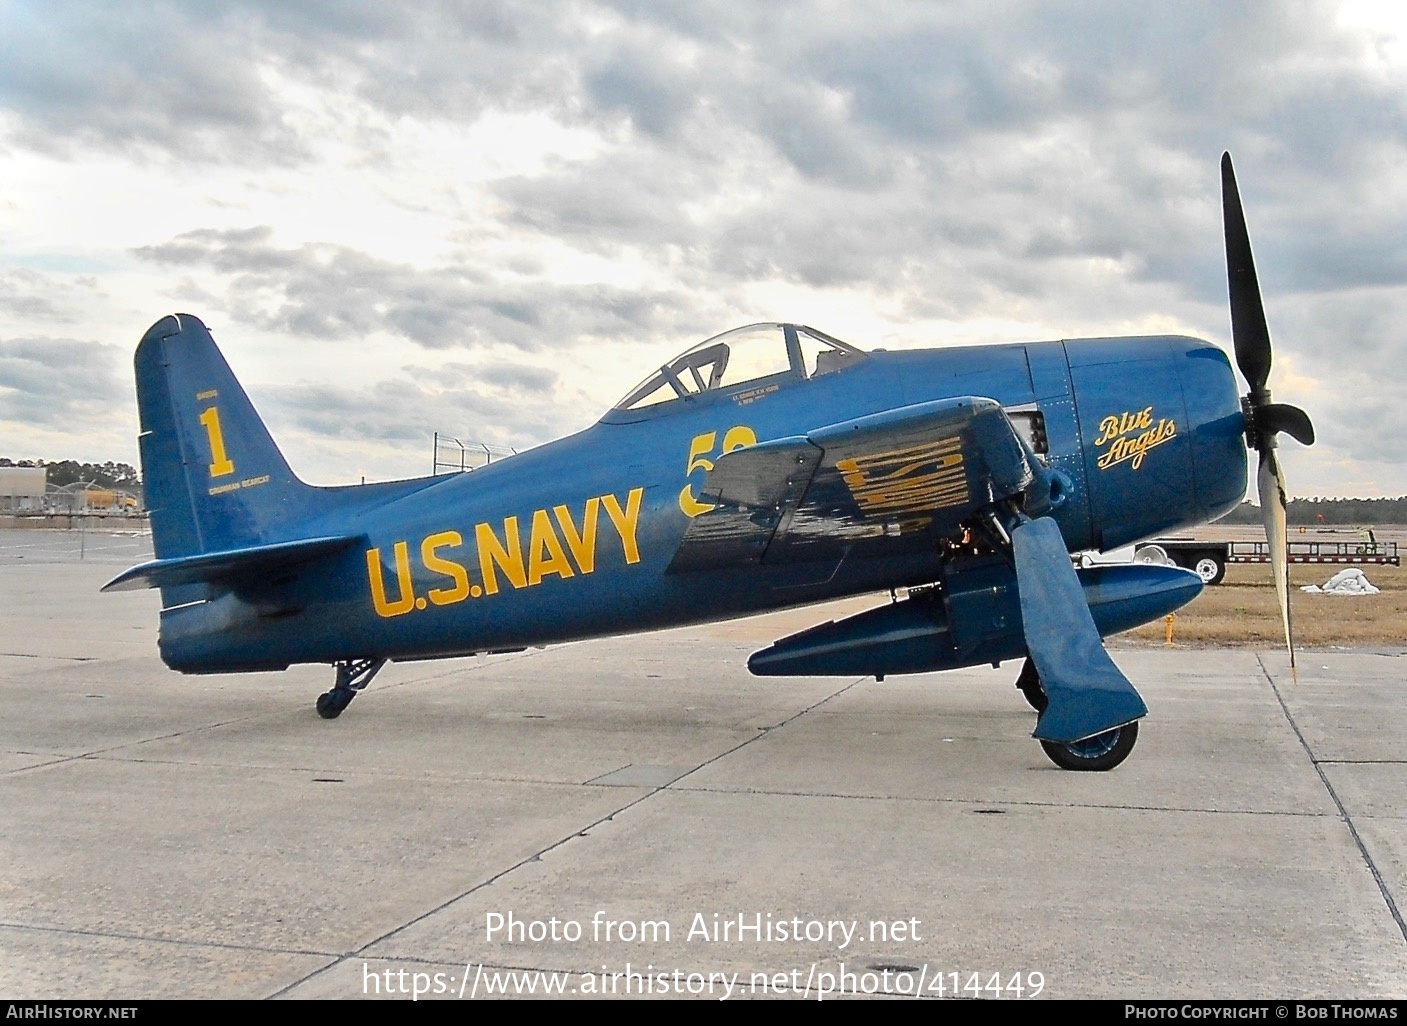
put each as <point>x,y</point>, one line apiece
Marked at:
<point>763,355</point>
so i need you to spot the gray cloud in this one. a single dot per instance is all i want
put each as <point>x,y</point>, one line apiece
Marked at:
<point>22,293</point>
<point>516,377</point>
<point>163,73</point>
<point>198,79</point>
<point>1030,136</point>
<point>335,292</point>
<point>912,129</point>
<point>972,160</point>
<point>59,383</point>
<point>403,414</point>
<point>650,92</point>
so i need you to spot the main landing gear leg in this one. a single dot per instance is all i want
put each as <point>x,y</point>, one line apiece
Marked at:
<point>352,676</point>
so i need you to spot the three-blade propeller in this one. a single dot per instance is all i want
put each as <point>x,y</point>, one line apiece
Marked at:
<point>1264,419</point>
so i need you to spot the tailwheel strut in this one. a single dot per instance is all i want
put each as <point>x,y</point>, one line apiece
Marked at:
<point>352,676</point>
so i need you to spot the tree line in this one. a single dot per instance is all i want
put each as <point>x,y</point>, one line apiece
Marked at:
<point>1308,512</point>
<point>67,472</point>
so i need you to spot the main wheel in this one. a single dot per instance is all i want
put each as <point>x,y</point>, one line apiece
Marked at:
<point>1210,569</point>
<point>1098,753</point>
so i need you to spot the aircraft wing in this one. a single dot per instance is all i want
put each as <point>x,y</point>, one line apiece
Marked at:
<point>884,483</point>
<point>889,483</point>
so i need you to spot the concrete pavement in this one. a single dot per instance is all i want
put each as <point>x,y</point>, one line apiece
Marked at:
<point>169,836</point>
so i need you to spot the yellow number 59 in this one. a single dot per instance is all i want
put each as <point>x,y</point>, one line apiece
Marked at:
<point>699,451</point>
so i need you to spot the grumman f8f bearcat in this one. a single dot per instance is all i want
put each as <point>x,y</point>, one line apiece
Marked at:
<point>768,467</point>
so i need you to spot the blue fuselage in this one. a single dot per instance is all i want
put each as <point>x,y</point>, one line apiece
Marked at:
<point>573,539</point>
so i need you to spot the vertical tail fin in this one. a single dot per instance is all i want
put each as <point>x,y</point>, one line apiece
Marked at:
<point>213,476</point>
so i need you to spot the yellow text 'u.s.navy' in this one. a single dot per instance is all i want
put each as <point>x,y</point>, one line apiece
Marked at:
<point>561,542</point>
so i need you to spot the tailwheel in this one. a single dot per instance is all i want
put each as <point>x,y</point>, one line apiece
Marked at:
<point>1098,753</point>
<point>331,703</point>
<point>352,676</point>
<point>1029,684</point>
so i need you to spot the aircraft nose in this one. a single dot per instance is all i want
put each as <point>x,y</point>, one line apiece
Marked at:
<point>1216,425</point>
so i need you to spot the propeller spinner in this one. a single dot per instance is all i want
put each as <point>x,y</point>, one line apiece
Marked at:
<point>1264,419</point>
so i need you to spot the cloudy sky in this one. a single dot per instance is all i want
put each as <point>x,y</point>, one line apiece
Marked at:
<point>490,219</point>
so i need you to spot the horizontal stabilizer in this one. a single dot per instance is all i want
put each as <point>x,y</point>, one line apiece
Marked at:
<point>232,564</point>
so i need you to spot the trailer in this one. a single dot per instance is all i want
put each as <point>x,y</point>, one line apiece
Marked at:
<point>1208,559</point>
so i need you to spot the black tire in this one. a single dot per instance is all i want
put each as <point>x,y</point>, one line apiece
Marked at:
<point>1096,754</point>
<point>1208,567</point>
<point>331,704</point>
<point>1029,684</point>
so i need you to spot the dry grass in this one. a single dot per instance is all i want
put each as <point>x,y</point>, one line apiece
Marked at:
<point>1242,611</point>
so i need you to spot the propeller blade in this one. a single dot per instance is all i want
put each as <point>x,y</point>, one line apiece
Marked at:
<point>1249,332</point>
<point>1264,419</point>
<point>1273,500</point>
<point>1272,418</point>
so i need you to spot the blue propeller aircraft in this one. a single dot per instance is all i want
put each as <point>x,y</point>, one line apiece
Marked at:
<point>771,466</point>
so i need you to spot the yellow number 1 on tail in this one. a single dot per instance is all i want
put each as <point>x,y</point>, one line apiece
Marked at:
<point>220,464</point>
